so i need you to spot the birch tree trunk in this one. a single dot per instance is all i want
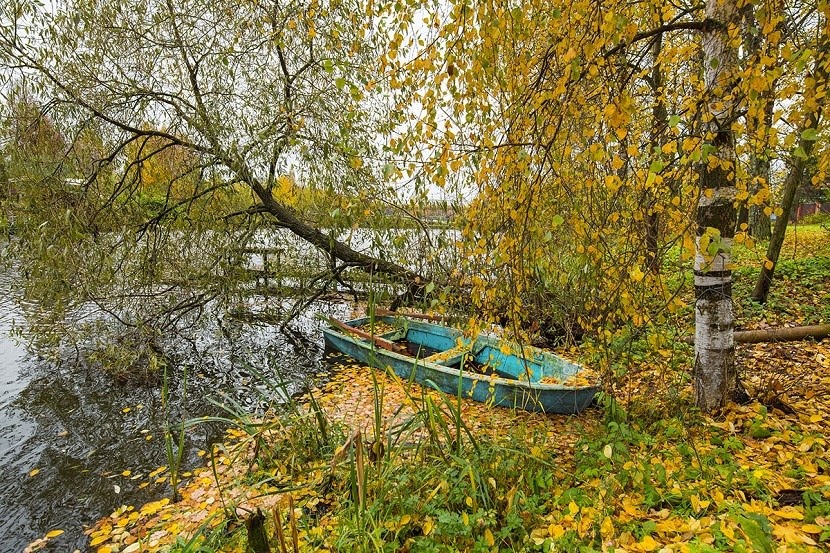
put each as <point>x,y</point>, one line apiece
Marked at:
<point>715,376</point>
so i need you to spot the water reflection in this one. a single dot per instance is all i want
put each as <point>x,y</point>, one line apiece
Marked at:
<point>81,430</point>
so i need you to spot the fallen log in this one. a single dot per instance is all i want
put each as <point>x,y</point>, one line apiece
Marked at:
<point>786,334</point>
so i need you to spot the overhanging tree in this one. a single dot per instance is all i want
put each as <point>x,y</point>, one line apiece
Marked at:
<point>249,89</point>
<point>205,107</point>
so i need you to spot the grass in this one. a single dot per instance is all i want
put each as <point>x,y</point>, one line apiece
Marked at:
<point>371,463</point>
<point>640,478</point>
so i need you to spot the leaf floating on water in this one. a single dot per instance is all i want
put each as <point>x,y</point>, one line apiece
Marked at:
<point>34,472</point>
<point>117,488</point>
<point>54,533</point>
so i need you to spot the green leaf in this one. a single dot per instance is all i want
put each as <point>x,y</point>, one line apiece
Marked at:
<point>429,287</point>
<point>656,166</point>
<point>328,66</point>
<point>557,220</point>
<point>340,82</point>
<point>674,120</point>
<point>809,134</point>
<point>755,531</point>
<point>707,149</point>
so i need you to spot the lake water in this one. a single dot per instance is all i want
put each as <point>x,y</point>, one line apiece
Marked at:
<point>77,431</point>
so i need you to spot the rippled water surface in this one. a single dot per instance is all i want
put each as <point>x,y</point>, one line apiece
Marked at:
<point>80,430</point>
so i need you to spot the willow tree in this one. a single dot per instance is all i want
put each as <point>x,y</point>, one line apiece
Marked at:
<point>225,100</point>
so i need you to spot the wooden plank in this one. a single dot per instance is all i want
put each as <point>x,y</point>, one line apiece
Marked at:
<point>377,340</point>
<point>424,316</point>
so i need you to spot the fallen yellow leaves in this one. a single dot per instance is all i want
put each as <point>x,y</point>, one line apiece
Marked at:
<point>41,543</point>
<point>665,495</point>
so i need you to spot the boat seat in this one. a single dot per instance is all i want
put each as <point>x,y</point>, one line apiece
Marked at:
<point>449,357</point>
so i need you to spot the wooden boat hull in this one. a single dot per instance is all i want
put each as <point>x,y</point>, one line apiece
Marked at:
<point>517,372</point>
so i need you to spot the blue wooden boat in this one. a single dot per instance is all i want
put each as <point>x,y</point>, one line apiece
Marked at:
<point>486,368</point>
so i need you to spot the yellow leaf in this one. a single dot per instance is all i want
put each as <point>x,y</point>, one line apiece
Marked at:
<point>98,541</point>
<point>607,528</point>
<point>126,473</point>
<point>636,273</point>
<point>573,508</point>
<point>488,538</point>
<point>769,264</point>
<point>54,533</point>
<point>811,529</point>
<point>790,535</point>
<point>556,531</point>
<point>790,513</point>
<point>648,544</point>
<point>427,527</point>
<point>630,507</point>
<point>126,410</point>
<point>34,472</point>
<point>697,503</point>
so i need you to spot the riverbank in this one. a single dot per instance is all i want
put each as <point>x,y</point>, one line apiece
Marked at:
<point>455,475</point>
<point>647,473</point>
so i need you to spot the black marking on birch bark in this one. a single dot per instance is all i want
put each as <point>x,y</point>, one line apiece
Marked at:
<point>721,350</point>
<point>721,328</point>
<point>719,215</point>
<point>714,292</point>
<point>714,274</point>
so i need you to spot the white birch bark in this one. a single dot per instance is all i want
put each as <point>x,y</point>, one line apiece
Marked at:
<point>715,376</point>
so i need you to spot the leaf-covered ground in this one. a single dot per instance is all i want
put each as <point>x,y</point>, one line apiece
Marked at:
<point>752,479</point>
<point>371,463</point>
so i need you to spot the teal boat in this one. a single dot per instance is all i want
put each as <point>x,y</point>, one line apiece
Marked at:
<point>487,369</point>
